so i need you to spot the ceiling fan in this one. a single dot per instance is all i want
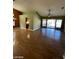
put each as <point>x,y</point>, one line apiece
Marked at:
<point>49,13</point>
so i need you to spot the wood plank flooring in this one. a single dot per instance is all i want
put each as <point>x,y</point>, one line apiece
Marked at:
<point>39,44</point>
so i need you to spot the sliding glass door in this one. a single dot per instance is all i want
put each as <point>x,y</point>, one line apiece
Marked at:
<point>58,23</point>
<point>44,23</point>
<point>51,23</point>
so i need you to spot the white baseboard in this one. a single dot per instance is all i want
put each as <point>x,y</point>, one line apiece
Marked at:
<point>30,29</point>
<point>36,29</point>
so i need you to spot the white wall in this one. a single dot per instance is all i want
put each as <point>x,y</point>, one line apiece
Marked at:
<point>34,20</point>
<point>22,21</point>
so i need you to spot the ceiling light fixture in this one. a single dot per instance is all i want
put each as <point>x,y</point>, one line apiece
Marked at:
<point>49,13</point>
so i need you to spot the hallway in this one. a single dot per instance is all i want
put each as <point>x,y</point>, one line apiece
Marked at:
<point>39,44</point>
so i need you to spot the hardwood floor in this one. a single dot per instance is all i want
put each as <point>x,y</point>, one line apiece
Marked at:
<point>39,44</point>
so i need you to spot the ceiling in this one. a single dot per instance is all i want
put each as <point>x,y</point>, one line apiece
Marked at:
<point>41,6</point>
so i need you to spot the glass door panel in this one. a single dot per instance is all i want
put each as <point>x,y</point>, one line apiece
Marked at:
<point>58,23</point>
<point>43,22</point>
<point>51,23</point>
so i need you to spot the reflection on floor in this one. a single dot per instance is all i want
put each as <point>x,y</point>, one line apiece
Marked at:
<point>53,34</point>
<point>39,44</point>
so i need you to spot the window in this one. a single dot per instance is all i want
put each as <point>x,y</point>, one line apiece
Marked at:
<point>58,23</point>
<point>51,23</point>
<point>43,22</point>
